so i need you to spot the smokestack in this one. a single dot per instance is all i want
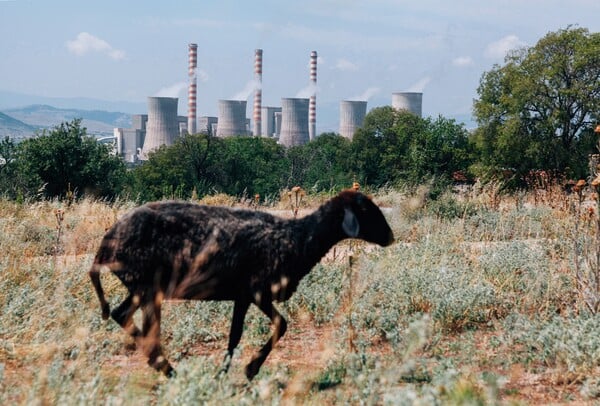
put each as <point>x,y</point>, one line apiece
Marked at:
<point>294,122</point>
<point>162,127</point>
<point>312,106</point>
<point>232,118</point>
<point>352,115</point>
<point>411,101</point>
<point>258,92</point>
<point>193,63</point>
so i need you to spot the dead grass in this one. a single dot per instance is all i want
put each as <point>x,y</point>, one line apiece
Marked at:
<point>55,349</point>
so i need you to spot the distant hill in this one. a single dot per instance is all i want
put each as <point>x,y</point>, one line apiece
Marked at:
<point>11,127</point>
<point>97,122</point>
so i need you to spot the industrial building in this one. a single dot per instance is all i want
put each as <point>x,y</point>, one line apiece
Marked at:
<point>161,126</point>
<point>294,123</point>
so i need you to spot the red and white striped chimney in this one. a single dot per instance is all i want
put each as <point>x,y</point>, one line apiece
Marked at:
<point>193,63</point>
<point>312,103</point>
<point>257,92</point>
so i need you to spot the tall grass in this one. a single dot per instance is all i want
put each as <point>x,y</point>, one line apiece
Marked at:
<point>473,297</point>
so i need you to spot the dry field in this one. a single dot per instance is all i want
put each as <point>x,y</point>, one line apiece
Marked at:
<point>483,300</point>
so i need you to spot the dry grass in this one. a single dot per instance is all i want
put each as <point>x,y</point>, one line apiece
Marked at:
<point>478,303</point>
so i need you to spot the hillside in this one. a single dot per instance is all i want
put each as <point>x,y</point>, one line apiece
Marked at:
<point>97,122</point>
<point>11,127</point>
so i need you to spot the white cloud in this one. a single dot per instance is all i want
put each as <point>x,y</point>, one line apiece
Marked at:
<point>86,42</point>
<point>462,61</point>
<point>345,65</point>
<point>499,49</point>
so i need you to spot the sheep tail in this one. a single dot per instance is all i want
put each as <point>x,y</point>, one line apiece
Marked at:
<point>95,276</point>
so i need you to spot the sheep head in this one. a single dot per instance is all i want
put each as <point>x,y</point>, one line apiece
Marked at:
<point>364,220</point>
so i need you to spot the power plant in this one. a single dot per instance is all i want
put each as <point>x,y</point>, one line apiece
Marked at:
<point>294,123</point>
<point>352,115</point>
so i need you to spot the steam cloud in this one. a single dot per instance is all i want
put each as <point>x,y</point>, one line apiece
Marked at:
<point>250,87</point>
<point>308,91</point>
<point>172,91</point>
<point>419,86</point>
<point>367,94</point>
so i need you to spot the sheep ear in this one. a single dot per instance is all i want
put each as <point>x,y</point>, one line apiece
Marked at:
<point>350,224</point>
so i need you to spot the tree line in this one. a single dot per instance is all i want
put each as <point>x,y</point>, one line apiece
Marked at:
<point>537,111</point>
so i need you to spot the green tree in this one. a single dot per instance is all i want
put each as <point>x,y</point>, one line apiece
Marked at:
<point>441,149</point>
<point>65,158</point>
<point>537,111</point>
<point>253,165</point>
<point>322,164</point>
<point>11,180</point>
<point>192,162</point>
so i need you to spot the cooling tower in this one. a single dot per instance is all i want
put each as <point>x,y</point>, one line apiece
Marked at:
<point>193,63</point>
<point>411,101</point>
<point>163,126</point>
<point>258,92</point>
<point>352,115</point>
<point>232,118</point>
<point>312,108</point>
<point>294,122</point>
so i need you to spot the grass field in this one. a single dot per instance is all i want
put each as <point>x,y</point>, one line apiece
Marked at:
<point>482,300</point>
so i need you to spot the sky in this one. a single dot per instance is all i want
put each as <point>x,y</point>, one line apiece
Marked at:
<point>129,50</point>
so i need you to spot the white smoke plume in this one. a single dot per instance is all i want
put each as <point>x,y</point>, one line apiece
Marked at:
<point>308,91</point>
<point>245,93</point>
<point>419,86</point>
<point>367,94</point>
<point>173,90</point>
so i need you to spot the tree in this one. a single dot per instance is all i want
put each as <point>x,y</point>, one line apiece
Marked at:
<point>538,110</point>
<point>192,162</point>
<point>321,164</point>
<point>64,159</point>
<point>253,165</point>
<point>10,179</point>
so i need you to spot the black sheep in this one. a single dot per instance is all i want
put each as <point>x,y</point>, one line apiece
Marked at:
<point>179,250</point>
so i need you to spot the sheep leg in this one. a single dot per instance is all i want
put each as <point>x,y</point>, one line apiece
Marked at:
<point>280,328</point>
<point>123,314</point>
<point>151,337</point>
<point>240,308</point>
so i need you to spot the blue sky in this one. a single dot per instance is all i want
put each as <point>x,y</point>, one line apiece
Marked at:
<point>128,50</point>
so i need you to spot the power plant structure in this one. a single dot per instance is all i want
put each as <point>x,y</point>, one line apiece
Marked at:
<point>193,64</point>
<point>231,120</point>
<point>149,131</point>
<point>352,115</point>
<point>294,122</point>
<point>410,101</point>
<point>163,125</point>
<point>257,113</point>
<point>271,121</point>
<point>312,107</point>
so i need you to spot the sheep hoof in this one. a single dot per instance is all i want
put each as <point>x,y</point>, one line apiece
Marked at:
<point>170,372</point>
<point>251,370</point>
